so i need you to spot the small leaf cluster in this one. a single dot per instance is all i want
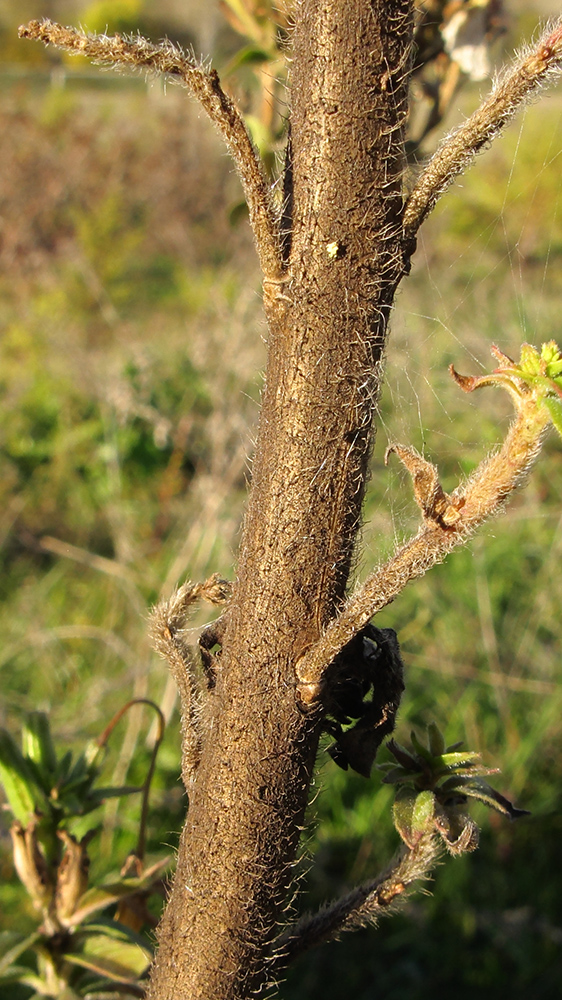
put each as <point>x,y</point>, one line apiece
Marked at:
<point>537,376</point>
<point>434,785</point>
<point>37,782</point>
<point>543,373</point>
<point>77,948</point>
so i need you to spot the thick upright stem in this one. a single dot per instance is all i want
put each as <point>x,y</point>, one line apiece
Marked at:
<point>327,326</point>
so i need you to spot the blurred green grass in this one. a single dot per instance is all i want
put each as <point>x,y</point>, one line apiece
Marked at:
<point>130,363</point>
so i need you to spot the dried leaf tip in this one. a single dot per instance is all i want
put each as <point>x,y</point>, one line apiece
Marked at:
<point>434,503</point>
<point>534,383</point>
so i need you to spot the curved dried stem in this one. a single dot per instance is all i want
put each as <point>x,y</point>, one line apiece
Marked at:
<point>513,88</point>
<point>363,905</point>
<point>167,622</point>
<point>204,84</point>
<point>449,520</point>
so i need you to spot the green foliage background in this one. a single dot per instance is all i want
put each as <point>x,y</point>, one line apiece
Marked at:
<point>130,358</point>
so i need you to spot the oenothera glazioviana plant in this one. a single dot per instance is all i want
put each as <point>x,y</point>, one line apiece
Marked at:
<point>294,653</point>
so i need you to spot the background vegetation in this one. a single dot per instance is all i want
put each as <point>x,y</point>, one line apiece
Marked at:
<point>130,360</point>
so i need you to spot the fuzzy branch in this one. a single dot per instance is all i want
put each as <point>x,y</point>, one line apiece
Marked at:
<point>167,623</point>
<point>448,522</point>
<point>204,84</point>
<point>362,906</point>
<point>513,88</point>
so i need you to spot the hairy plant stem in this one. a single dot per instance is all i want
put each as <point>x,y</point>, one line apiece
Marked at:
<point>363,905</point>
<point>327,326</point>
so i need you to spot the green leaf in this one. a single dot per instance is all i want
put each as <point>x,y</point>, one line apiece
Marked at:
<point>125,990</point>
<point>466,763</point>
<point>101,794</point>
<point>458,781</point>
<point>37,745</point>
<point>12,945</point>
<point>78,771</point>
<point>404,757</point>
<point>259,132</point>
<point>530,360</point>
<point>435,740</point>
<point>36,983</point>
<point>122,961</point>
<point>398,776</point>
<point>544,383</point>
<point>461,758</point>
<point>63,767</point>
<point>92,752</point>
<point>472,771</point>
<point>554,407</point>
<point>482,791</point>
<point>114,930</point>
<point>72,785</point>
<point>249,55</point>
<point>100,897</point>
<point>424,752</point>
<point>80,825</point>
<point>76,805</point>
<point>15,974</point>
<point>69,994</point>
<point>237,212</point>
<point>22,792</point>
<point>423,812</point>
<point>402,813</point>
<point>552,357</point>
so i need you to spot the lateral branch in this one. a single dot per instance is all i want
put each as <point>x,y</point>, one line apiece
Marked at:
<point>361,906</point>
<point>204,84</point>
<point>514,87</point>
<point>449,520</point>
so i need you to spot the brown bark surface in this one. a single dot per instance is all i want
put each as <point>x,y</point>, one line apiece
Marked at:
<point>327,323</point>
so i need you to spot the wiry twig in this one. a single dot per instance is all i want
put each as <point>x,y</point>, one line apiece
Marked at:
<point>448,522</point>
<point>204,84</point>
<point>167,622</point>
<point>362,906</point>
<point>513,88</point>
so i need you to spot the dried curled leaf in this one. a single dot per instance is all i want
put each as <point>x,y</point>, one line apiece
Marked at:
<point>537,376</point>
<point>434,503</point>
